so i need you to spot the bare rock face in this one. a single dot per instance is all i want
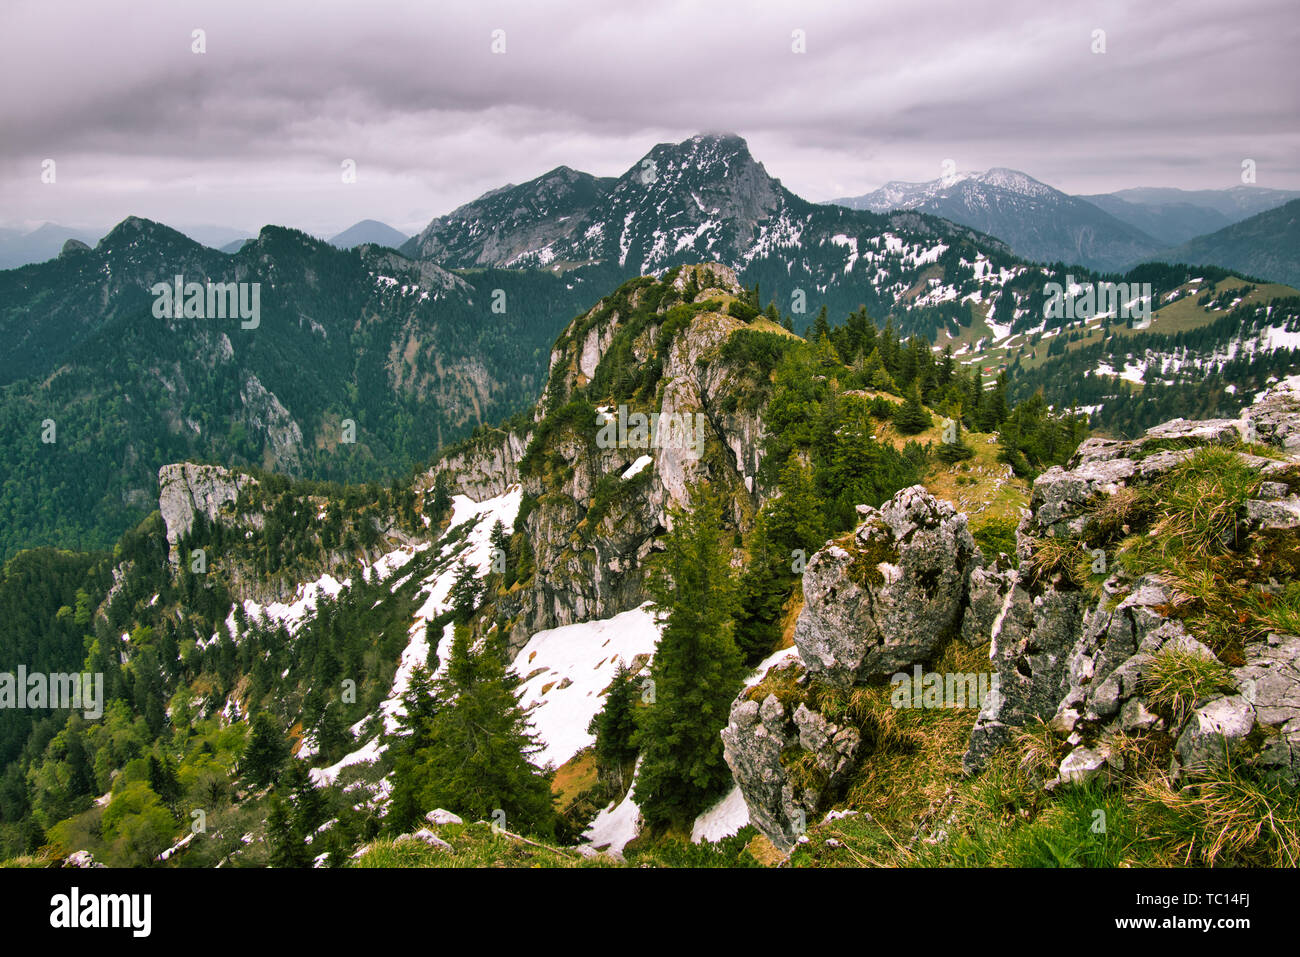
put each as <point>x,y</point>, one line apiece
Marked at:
<point>1269,682</point>
<point>590,559</point>
<point>1031,638</point>
<point>1275,417</point>
<point>483,469</point>
<point>186,490</point>
<point>1081,663</point>
<point>758,743</point>
<point>890,595</point>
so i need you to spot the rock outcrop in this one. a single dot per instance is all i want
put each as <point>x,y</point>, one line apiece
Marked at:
<point>186,490</point>
<point>889,595</point>
<point>757,741</point>
<point>1083,662</point>
<point>595,514</point>
<point>875,602</point>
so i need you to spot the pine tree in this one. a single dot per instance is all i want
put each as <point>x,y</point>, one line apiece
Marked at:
<point>266,752</point>
<point>697,669</point>
<point>500,543</point>
<point>615,729</point>
<point>466,593</point>
<point>764,588</point>
<point>162,780</point>
<point>876,375</point>
<point>477,745</point>
<point>912,417</point>
<point>419,705</point>
<point>441,503</point>
<point>794,519</point>
<point>821,327</point>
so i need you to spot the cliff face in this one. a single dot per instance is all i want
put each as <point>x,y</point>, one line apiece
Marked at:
<point>1088,648</point>
<point>186,491</point>
<point>599,493</point>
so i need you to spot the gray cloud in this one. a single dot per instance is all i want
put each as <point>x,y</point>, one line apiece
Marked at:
<point>253,131</point>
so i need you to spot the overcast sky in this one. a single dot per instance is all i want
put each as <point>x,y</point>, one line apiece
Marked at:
<point>254,130</point>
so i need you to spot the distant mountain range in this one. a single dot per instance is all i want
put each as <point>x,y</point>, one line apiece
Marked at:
<point>18,248</point>
<point>22,248</point>
<point>1109,231</point>
<point>411,346</point>
<point>1265,245</point>
<point>1036,221</point>
<point>1175,215</point>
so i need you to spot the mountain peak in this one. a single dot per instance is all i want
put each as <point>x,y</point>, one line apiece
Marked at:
<point>134,228</point>
<point>1014,180</point>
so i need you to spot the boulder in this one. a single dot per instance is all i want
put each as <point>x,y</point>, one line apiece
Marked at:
<point>890,594</point>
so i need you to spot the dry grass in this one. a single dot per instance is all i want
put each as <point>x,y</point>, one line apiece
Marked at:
<point>1221,817</point>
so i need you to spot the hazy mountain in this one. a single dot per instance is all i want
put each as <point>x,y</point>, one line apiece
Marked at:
<point>215,237</point>
<point>1035,220</point>
<point>1236,203</point>
<point>1175,215</point>
<point>369,231</point>
<point>18,248</point>
<point>1169,223</point>
<point>1266,245</point>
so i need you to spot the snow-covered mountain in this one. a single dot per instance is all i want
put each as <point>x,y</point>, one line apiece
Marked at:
<point>1035,220</point>
<point>707,199</point>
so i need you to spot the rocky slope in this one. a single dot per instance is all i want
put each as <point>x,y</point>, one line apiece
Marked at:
<point>1083,651</point>
<point>596,512</point>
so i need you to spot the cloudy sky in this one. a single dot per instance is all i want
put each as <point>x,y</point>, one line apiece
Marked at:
<point>255,129</point>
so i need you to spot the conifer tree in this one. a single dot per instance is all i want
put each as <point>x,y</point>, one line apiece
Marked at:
<point>266,752</point>
<point>475,753</point>
<point>912,417</point>
<point>821,327</point>
<point>441,503</point>
<point>500,543</point>
<point>615,729</point>
<point>466,593</point>
<point>697,667</point>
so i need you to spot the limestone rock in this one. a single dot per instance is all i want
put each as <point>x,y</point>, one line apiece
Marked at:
<point>891,595</point>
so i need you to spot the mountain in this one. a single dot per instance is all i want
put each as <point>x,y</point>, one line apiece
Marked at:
<point>1038,222</point>
<point>369,231</point>
<point>895,591</point>
<point>1168,223</point>
<point>411,354</point>
<point>1266,245</point>
<point>1174,215</point>
<point>505,225</point>
<point>1236,203</point>
<point>706,198</point>
<point>216,237</point>
<point>18,248</point>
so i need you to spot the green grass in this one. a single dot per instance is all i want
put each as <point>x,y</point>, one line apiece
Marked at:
<point>473,845</point>
<point>1175,679</point>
